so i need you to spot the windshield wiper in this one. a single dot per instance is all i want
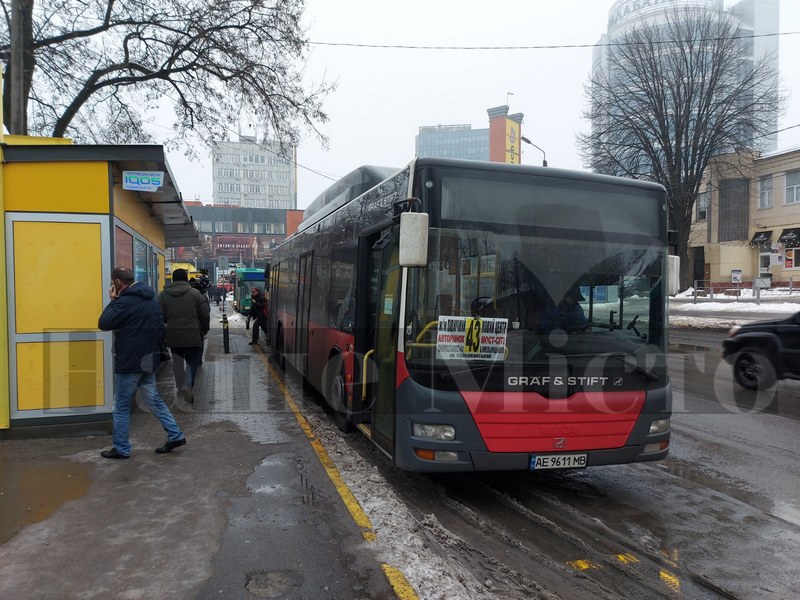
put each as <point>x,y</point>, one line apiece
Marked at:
<point>646,373</point>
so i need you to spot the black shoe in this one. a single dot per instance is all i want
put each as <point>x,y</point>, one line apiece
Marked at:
<point>252,344</point>
<point>170,446</point>
<point>113,453</point>
<point>186,395</point>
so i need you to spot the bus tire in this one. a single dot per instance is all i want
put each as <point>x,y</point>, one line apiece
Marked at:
<point>336,393</point>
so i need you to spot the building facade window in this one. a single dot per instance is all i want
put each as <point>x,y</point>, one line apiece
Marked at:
<point>793,187</point>
<point>765,192</point>
<point>733,212</point>
<point>702,206</point>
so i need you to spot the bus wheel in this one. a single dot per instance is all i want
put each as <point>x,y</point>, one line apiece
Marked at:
<point>336,393</point>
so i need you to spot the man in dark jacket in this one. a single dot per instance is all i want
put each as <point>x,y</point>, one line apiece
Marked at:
<point>188,316</point>
<point>134,317</point>
<point>259,309</point>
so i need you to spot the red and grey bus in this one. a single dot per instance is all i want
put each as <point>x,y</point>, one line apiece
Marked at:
<point>428,306</point>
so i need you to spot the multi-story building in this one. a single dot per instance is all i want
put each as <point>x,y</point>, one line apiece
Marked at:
<point>242,235</point>
<point>452,141</point>
<point>747,221</point>
<point>758,18</point>
<point>500,142</point>
<point>254,174</point>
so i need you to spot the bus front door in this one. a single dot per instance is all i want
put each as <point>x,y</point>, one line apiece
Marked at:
<point>383,309</point>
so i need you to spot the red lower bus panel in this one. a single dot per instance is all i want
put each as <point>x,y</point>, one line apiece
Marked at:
<point>529,422</point>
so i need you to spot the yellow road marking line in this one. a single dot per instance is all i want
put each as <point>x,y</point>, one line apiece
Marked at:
<point>582,565</point>
<point>671,557</point>
<point>399,583</point>
<point>627,558</point>
<point>395,577</point>
<point>358,514</point>
<point>671,580</point>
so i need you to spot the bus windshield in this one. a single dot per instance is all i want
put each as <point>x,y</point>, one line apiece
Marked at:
<point>519,274</point>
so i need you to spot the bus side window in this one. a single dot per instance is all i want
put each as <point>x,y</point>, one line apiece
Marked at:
<point>343,295</point>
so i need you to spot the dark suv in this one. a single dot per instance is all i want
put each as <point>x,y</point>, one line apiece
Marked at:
<point>764,351</point>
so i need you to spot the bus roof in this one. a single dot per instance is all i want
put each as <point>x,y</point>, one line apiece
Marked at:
<point>536,170</point>
<point>366,177</point>
<point>345,189</point>
<point>249,274</point>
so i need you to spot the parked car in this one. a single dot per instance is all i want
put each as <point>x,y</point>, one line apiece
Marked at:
<point>764,351</point>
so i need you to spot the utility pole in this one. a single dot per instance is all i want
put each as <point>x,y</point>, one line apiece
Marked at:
<point>20,44</point>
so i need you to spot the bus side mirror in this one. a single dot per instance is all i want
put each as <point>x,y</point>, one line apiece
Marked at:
<point>413,239</point>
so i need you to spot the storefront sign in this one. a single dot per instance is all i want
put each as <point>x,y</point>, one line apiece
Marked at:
<point>142,181</point>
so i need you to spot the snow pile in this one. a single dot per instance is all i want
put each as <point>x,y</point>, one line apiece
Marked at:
<point>402,540</point>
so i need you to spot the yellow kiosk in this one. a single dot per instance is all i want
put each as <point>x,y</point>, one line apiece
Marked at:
<point>72,213</point>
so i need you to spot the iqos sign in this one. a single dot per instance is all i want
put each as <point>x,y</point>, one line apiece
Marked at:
<point>142,181</point>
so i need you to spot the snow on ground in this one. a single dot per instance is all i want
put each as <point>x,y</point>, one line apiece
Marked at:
<point>772,303</point>
<point>403,540</point>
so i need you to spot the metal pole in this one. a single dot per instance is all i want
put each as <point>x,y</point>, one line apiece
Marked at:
<point>226,344</point>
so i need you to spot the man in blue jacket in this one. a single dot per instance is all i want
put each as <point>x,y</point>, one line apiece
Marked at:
<point>135,317</point>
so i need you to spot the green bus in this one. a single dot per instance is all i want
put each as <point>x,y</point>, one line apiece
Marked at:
<point>246,280</point>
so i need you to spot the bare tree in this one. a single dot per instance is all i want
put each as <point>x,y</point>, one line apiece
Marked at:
<point>96,70</point>
<point>675,94</point>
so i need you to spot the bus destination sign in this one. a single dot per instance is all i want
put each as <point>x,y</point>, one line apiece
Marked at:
<point>471,338</point>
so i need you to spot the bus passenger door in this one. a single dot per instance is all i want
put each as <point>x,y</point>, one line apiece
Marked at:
<point>383,310</point>
<point>303,303</point>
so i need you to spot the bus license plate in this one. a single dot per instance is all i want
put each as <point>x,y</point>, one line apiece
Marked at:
<point>557,461</point>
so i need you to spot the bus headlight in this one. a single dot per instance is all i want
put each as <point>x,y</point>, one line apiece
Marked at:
<point>659,426</point>
<point>444,433</point>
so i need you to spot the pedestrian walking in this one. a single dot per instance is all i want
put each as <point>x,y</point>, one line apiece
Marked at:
<point>259,309</point>
<point>188,316</point>
<point>134,317</point>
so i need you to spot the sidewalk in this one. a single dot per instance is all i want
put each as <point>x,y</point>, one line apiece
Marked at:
<point>244,510</point>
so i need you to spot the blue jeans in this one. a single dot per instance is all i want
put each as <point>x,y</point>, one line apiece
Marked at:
<point>185,364</point>
<point>125,386</point>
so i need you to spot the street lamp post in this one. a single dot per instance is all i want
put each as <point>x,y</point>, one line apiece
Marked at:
<point>544,156</point>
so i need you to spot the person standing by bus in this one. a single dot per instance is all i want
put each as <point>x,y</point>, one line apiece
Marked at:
<point>259,309</point>
<point>187,313</point>
<point>134,316</point>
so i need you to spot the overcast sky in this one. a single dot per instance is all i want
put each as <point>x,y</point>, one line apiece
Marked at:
<point>384,95</point>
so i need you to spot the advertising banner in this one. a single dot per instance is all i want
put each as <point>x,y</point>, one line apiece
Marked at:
<point>512,142</point>
<point>247,246</point>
